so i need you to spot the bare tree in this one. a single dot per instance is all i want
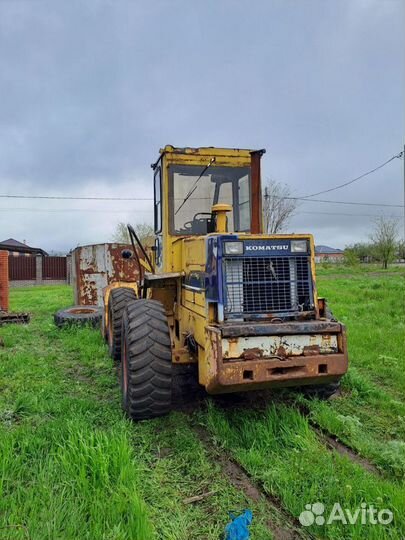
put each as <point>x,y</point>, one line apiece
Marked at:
<point>143,230</point>
<point>277,208</point>
<point>384,238</point>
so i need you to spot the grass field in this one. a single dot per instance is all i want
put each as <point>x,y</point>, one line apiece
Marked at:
<point>72,466</point>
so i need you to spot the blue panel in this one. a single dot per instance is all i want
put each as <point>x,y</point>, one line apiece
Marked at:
<point>214,277</point>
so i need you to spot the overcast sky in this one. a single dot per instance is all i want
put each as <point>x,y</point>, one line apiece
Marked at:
<point>90,90</point>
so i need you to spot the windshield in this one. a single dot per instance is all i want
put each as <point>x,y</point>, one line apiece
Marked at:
<point>193,194</point>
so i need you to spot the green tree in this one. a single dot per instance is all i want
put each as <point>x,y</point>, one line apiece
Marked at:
<point>385,240</point>
<point>360,252</point>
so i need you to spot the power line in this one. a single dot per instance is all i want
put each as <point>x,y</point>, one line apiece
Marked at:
<point>97,210</point>
<point>71,198</point>
<point>397,156</point>
<point>356,203</point>
<point>134,210</point>
<point>346,214</point>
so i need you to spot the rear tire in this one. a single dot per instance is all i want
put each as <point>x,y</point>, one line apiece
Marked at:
<point>146,364</point>
<point>117,302</point>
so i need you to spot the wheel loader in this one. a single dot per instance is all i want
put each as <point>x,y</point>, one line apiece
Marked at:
<point>217,295</point>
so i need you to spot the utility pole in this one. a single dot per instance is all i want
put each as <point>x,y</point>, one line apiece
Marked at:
<point>403,159</point>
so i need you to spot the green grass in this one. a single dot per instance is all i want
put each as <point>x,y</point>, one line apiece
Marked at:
<point>279,448</point>
<point>72,466</point>
<point>370,414</point>
<point>336,269</point>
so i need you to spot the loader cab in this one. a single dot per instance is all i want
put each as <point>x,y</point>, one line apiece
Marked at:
<point>191,198</point>
<point>188,182</point>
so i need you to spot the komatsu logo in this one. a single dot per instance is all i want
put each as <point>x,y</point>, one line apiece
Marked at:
<point>276,247</point>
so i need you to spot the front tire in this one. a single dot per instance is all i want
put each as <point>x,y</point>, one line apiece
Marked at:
<point>117,302</point>
<point>146,360</point>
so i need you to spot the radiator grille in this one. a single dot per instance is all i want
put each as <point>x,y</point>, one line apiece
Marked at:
<point>264,285</point>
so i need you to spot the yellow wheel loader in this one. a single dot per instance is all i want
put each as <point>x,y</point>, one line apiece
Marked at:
<point>217,295</point>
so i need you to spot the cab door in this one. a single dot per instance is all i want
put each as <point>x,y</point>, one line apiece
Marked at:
<point>157,190</point>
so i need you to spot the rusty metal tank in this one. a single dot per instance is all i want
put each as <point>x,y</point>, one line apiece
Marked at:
<point>96,266</point>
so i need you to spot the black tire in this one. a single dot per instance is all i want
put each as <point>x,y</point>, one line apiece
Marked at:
<point>322,391</point>
<point>328,313</point>
<point>117,302</point>
<point>80,316</point>
<point>146,360</point>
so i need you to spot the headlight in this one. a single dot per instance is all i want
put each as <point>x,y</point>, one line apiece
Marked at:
<point>233,248</point>
<point>299,246</point>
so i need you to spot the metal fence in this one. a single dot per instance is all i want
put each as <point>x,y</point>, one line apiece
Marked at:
<point>37,269</point>
<point>54,268</point>
<point>21,268</point>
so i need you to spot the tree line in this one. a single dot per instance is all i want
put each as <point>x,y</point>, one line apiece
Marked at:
<point>383,247</point>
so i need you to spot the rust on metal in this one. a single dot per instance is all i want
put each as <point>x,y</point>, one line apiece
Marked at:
<point>267,373</point>
<point>310,350</point>
<point>321,306</point>
<point>286,328</point>
<point>228,374</point>
<point>14,318</point>
<point>252,354</point>
<point>80,311</point>
<point>255,220</point>
<point>281,352</point>
<point>96,266</point>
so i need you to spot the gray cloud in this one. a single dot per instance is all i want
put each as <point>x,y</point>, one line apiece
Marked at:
<point>90,91</point>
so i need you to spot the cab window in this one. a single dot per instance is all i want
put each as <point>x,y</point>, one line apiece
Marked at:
<point>157,186</point>
<point>194,189</point>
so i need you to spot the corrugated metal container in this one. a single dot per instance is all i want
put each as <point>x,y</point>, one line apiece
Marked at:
<point>96,266</point>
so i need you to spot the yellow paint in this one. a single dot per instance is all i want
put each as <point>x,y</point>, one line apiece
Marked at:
<point>145,264</point>
<point>106,296</point>
<point>220,210</point>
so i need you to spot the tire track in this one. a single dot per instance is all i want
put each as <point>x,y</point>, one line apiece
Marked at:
<point>332,443</point>
<point>286,527</point>
<point>259,403</point>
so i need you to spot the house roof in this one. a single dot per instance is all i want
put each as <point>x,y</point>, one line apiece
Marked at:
<point>327,250</point>
<point>14,245</point>
<point>12,242</point>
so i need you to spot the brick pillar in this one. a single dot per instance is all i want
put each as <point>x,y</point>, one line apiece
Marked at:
<point>38,277</point>
<point>4,305</point>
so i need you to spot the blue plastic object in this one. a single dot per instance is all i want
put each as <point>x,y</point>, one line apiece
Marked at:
<point>238,528</point>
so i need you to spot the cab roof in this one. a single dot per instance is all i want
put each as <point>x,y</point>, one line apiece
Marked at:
<point>206,151</point>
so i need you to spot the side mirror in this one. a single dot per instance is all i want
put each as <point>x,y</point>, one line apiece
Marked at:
<point>126,254</point>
